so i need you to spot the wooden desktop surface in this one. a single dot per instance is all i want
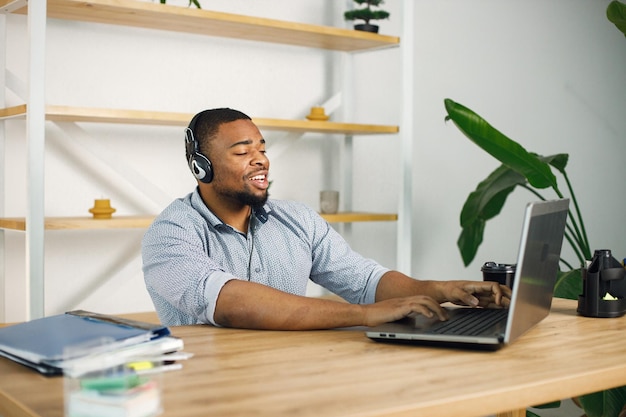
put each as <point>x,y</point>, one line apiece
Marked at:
<point>343,373</point>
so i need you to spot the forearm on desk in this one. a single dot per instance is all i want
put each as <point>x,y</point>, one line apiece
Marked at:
<point>394,284</point>
<point>249,305</point>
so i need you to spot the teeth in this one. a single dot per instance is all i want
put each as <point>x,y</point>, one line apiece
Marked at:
<point>258,178</point>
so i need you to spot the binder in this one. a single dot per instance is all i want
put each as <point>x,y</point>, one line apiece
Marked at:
<point>45,344</point>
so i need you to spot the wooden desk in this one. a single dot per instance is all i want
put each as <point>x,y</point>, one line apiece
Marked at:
<point>342,373</point>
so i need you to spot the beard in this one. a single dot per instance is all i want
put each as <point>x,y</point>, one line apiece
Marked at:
<point>255,201</point>
<point>246,197</point>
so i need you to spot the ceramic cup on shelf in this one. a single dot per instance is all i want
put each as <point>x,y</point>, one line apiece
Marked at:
<point>329,201</point>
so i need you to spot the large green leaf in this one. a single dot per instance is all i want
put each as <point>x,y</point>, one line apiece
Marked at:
<point>470,239</point>
<point>558,161</point>
<point>507,151</point>
<point>487,200</point>
<point>569,284</point>
<point>616,13</point>
<point>483,204</point>
<point>607,403</point>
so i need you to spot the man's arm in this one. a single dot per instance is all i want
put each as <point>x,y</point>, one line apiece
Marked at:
<point>249,305</point>
<point>471,293</point>
<point>244,304</point>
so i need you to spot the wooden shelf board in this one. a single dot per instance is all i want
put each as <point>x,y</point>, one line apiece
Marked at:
<point>153,15</point>
<point>141,222</point>
<point>88,223</point>
<point>349,217</point>
<point>143,117</point>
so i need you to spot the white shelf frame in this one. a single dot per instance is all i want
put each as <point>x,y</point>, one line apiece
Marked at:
<point>36,119</point>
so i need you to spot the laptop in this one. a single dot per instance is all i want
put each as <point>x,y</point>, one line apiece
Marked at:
<point>533,288</point>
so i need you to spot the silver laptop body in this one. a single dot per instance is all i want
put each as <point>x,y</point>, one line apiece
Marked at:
<point>535,276</point>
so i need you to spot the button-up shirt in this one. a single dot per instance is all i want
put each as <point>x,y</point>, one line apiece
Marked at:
<point>189,254</point>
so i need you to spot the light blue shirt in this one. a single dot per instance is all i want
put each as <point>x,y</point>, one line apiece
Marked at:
<point>189,254</point>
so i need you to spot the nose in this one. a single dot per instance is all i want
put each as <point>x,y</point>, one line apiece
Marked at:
<point>260,159</point>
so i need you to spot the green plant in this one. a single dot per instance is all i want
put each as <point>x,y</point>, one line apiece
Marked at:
<point>194,2</point>
<point>616,13</point>
<point>533,173</point>
<point>530,171</point>
<point>366,13</point>
<point>519,168</point>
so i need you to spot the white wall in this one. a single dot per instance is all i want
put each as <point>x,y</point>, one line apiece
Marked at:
<point>548,74</point>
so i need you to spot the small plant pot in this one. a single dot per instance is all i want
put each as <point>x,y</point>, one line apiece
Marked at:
<point>366,27</point>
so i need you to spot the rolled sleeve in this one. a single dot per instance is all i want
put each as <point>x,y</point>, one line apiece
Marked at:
<point>212,290</point>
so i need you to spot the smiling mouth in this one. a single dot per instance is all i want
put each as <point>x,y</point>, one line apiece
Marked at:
<point>259,180</point>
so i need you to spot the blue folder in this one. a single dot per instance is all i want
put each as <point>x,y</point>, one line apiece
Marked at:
<point>43,344</point>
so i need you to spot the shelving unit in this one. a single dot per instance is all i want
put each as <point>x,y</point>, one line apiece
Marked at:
<point>140,222</point>
<point>97,115</point>
<point>179,19</point>
<point>206,22</point>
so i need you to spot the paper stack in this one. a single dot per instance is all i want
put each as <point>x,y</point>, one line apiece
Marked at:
<point>53,345</point>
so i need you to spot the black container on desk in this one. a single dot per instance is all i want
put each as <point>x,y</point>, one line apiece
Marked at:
<point>501,273</point>
<point>603,279</point>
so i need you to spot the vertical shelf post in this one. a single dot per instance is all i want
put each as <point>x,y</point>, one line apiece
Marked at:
<point>347,153</point>
<point>406,136</point>
<point>35,131</point>
<point>3,83</point>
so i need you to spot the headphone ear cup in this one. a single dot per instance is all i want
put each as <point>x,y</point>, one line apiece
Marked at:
<point>201,168</point>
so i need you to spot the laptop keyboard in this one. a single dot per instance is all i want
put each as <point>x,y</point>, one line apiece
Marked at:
<point>472,322</point>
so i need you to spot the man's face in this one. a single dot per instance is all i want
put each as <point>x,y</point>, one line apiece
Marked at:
<point>240,166</point>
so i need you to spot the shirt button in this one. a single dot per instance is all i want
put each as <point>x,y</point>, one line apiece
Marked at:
<point>257,270</point>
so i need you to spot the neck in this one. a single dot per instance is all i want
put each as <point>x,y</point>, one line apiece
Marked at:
<point>232,213</point>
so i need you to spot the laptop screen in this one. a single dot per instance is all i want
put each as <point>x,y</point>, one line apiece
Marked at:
<point>538,264</point>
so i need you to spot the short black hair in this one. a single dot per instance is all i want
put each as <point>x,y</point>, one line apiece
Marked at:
<point>205,125</point>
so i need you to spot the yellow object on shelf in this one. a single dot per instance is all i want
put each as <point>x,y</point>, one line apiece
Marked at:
<point>317,113</point>
<point>102,209</point>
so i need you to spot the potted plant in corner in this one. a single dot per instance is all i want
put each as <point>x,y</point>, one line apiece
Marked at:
<point>194,2</point>
<point>366,14</point>
<point>534,173</point>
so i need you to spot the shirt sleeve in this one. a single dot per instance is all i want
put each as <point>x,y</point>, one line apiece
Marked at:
<point>183,281</point>
<point>340,269</point>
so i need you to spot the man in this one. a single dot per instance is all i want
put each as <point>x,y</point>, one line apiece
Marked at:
<point>227,255</point>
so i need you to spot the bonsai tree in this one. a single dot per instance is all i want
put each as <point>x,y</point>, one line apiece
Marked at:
<point>194,2</point>
<point>366,14</point>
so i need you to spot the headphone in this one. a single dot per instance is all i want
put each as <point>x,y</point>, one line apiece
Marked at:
<point>199,164</point>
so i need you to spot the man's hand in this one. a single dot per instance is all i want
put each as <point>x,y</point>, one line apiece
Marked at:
<point>397,308</point>
<point>476,293</point>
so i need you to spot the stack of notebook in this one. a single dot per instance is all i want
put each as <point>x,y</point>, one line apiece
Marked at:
<point>57,344</point>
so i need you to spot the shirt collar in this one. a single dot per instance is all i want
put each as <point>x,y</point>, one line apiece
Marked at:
<point>261,214</point>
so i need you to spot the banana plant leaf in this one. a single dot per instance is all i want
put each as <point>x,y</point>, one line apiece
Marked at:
<point>569,284</point>
<point>554,404</point>
<point>487,201</point>
<point>483,204</point>
<point>608,403</point>
<point>507,151</point>
<point>519,167</point>
<point>616,13</point>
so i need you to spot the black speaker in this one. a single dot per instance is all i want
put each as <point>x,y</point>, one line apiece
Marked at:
<point>199,164</point>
